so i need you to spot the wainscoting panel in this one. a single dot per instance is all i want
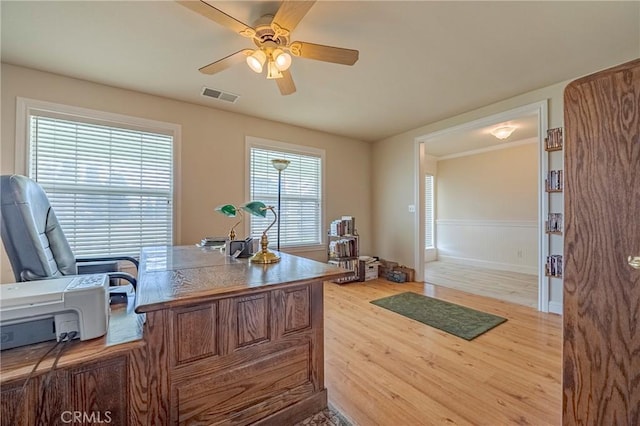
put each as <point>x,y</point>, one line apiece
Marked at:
<point>502,245</point>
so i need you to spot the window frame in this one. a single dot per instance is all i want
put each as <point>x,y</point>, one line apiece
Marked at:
<point>432,223</point>
<point>25,107</point>
<point>258,142</point>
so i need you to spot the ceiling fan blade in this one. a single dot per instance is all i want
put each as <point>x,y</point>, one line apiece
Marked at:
<point>218,16</point>
<point>286,84</point>
<point>320,52</point>
<point>291,13</point>
<point>224,63</point>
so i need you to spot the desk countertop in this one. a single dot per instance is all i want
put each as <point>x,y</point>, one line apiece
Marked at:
<point>169,276</point>
<point>174,276</point>
<point>124,333</point>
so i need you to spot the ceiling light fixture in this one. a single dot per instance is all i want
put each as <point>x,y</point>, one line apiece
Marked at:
<point>281,59</point>
<point>273,71</point>
<point>503,132</point>
<point>277,60</point>
<point>256,60</point>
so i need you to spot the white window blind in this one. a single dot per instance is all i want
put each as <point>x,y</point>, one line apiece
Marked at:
<point>301,196</point>
<point>428,212</point>
<point>111,187</point>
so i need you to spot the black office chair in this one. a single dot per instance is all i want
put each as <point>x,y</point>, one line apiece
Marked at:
<point>35,243</point>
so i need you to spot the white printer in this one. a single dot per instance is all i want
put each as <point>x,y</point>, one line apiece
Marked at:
<point>37,311</point>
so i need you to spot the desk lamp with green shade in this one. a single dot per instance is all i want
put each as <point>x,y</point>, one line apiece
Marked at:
<point>231,211</point>
<point>264,256</point>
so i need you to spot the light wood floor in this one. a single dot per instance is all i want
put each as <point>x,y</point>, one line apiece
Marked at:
<point>384,369</point>
<point>512,287</point>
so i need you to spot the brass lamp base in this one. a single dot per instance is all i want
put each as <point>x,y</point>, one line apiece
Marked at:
<point>265,257</point>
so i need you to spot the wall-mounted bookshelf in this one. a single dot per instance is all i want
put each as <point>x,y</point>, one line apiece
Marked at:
<point>553,267</point>
<point>553,224</point>
<point>554,181</point>
<point>554,186</point>
<point>554,140</point>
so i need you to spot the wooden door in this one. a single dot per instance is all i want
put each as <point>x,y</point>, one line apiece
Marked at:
<point>601,366</point>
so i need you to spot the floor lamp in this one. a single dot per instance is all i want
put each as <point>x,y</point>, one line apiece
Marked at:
<point>279,164</point>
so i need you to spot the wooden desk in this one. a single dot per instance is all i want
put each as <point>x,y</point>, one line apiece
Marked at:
<point>91,377</point>
<point>224,341</point>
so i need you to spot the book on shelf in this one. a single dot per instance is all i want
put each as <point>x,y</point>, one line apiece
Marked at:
<point>347,264</point>
<point>553,266</point>
<point>344,226</point>
<point>554,222</point>
<point>554,139</point>
<point>346,247</point>
<point>555,180</point>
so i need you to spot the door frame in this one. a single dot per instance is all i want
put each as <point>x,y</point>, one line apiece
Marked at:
<point>539,108</point>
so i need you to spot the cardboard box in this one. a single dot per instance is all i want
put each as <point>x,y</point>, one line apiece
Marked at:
<point>409,272</point>
<point>385,267</point>
<point>397,276</point>
<point>389,265</point>
<point>371,272</point>
<point>368,270</point>
<point>382,272</point>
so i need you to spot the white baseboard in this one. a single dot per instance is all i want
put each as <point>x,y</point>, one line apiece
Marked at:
<point>509,245</point>
<point>555,308</point>
<point>491,265</point>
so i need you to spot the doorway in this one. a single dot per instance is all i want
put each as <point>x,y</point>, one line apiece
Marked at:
<point>429,153</point>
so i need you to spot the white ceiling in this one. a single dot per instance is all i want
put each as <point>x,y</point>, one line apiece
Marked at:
<point>419,61</point>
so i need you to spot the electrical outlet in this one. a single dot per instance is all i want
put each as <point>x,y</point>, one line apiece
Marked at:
<point>412,208</point>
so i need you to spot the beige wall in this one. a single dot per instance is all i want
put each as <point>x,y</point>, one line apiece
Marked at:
<point>487,209</point>
<point>394,177</point>
<point>212,151</point>
<point>495,185</point>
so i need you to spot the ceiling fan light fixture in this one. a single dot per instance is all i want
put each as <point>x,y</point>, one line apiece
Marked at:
<point>273,71</point>
<point>503,132</point>
<point>256,60</point>
<point>281,59</point>
<point>271,35</point>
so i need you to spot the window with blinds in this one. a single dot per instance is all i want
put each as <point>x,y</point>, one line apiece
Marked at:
<point>428,212</point>
<point>301,195</point>
<point>111,187</point>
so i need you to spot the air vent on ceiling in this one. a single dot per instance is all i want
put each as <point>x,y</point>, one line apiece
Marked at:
<point>219,94</point>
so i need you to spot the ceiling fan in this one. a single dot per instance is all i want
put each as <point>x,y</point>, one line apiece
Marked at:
<point>271,34</point>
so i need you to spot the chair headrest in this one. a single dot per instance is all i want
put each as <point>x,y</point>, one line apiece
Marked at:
<point>18,189</point>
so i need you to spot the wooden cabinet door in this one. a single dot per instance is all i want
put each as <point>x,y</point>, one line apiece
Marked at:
<point>95,393</point>
<point>99,392</point>
<point>13,408</point>
<point>34,404</point>
<point>601,366</point>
